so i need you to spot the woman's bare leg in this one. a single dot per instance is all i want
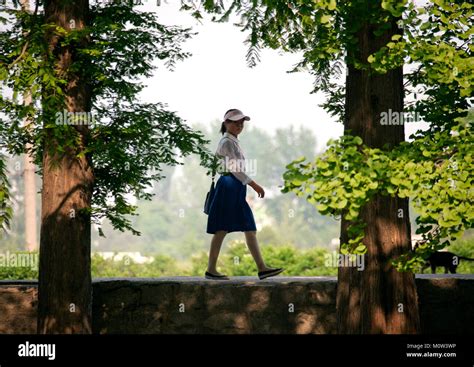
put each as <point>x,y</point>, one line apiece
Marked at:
<point>216,244</point>
<point>252,244</point>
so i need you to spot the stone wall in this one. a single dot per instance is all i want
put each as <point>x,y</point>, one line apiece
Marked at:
<point>243,305</point>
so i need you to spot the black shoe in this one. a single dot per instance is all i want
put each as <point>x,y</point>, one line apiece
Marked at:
<point>269,273</point>
<point>208,275</point>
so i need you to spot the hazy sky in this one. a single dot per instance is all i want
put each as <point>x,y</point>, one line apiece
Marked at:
<point>216,78</point>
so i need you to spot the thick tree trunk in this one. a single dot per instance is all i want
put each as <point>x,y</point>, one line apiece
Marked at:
<point>378,299</point>
<point>65,291</point>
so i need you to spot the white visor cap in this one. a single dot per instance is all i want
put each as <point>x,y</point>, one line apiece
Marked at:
<point>235,115</point>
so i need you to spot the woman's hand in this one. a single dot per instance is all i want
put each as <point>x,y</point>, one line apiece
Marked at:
<point>259,189</point>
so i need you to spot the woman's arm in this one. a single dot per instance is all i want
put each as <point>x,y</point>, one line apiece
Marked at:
<point>229,150</point>
<point>259,189</point>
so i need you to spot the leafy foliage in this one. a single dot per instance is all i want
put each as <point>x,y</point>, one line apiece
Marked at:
<point>10,265</point>
<point>436,43</point>
<point>177,201</point>
<point>6,211</point>
<point>464,247</point>
<point>128,142</point>
<point>237,261</point>
<point>437,174</point>
<point>108,268</point>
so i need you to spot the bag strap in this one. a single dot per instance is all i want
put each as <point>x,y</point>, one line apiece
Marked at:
<point>214,168</point>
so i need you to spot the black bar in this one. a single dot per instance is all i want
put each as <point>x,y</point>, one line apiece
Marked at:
<point>320,350</point>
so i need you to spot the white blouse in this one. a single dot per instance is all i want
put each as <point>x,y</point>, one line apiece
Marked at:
<point>232,157</point>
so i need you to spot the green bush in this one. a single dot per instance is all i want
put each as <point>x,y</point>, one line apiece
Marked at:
<point>464,248</point>
<point>237,261</point>
<point>234,261</point>
<point>108,268</point>
<point>10,265</point>
<point>102,268</point>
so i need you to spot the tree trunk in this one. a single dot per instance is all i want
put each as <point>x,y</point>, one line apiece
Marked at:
<point>30,192</point>
<point>379,299</point>
<point>29,175</point>
<point>65,290</point>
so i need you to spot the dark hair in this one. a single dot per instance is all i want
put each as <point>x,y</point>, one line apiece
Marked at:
<point>223,129</point>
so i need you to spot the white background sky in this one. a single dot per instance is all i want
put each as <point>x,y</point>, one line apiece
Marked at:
<point>216,78</point>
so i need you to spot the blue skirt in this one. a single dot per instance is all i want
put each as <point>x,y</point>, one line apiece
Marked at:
<point>229,211</point>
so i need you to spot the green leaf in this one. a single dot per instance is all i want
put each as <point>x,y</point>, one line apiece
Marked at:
<point>425,26</point>
<point>373,185</point>
<point>322,207</point>
<point>325,18</point>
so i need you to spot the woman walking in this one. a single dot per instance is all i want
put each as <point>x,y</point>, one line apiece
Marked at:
<point>229,211</point>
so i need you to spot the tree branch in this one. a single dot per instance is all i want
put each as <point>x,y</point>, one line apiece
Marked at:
<point>23,51</point>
